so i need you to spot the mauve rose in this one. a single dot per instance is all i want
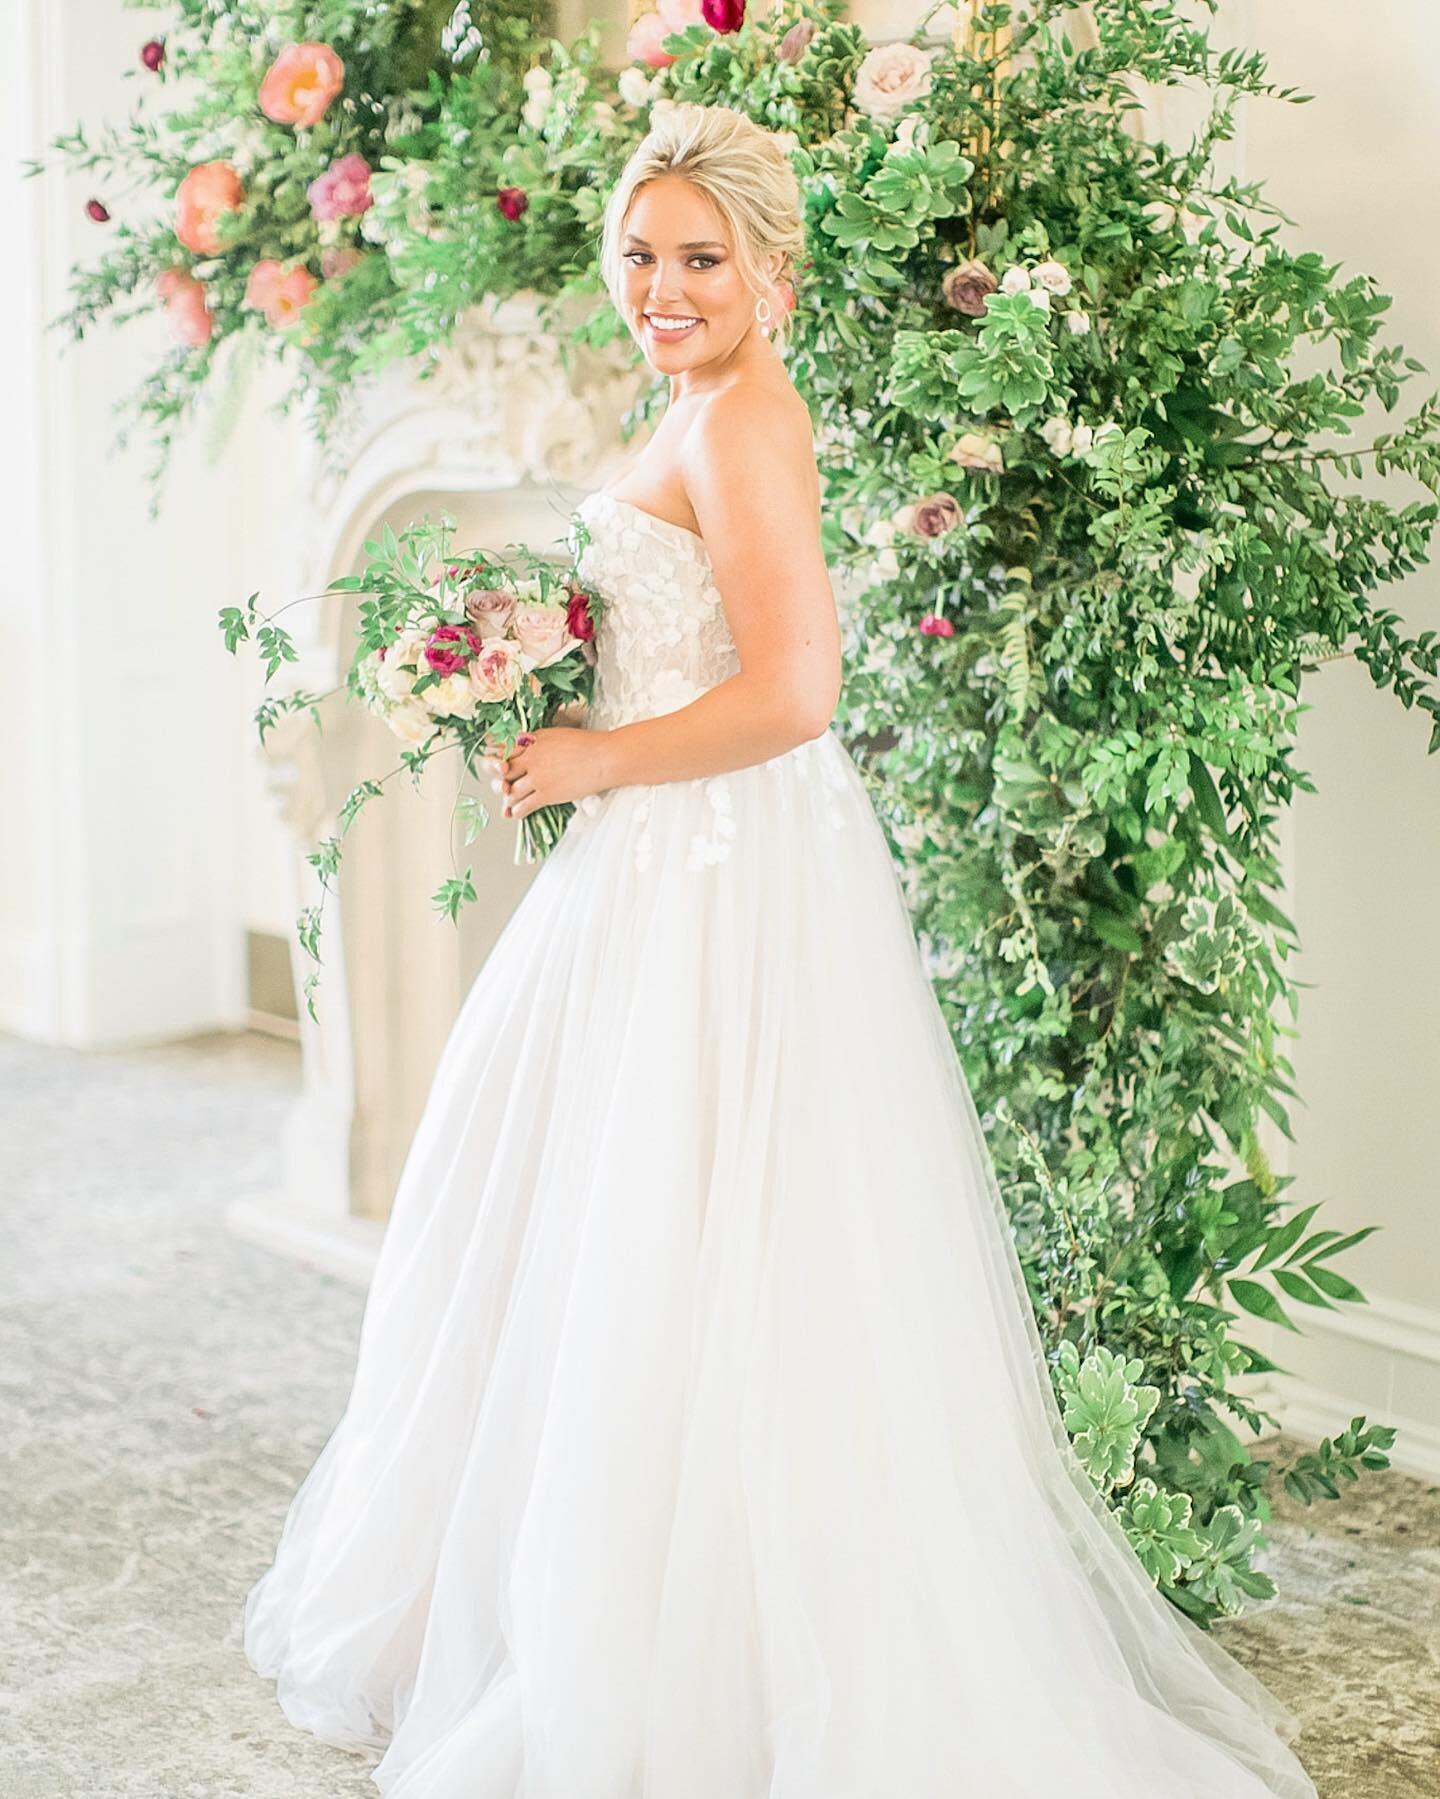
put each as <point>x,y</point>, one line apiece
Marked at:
<point>724,15</point>
<point>96,209</point>
<point>542,632</point>
<point>343,191</point>
<point>578,619</point>
<point>490,610</point>
<point>208,192</point>
<point>152,53</point>
<point>512,202</point>
<point>932,625</point>
<point>495,673</point>
<point>796,41</point>
<point>450,647</point>
<point>967,286</point>
<point>936,514</point>
<point>300,84</point>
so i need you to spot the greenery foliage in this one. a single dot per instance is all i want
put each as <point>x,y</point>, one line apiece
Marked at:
<point>1085,424</point>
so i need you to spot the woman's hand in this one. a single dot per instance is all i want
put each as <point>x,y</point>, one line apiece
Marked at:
<point>551,765</point>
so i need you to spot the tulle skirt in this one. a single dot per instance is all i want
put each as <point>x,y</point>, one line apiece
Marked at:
<point>701,1444</point>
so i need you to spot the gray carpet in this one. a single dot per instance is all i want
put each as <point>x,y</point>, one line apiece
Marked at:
<point>163,1388</point>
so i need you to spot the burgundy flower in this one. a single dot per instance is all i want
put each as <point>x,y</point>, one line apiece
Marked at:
<point>723,15</point>
<point>95,209</point>
<point>512,201</point>
<point>577,616</point>
<point>967,286</point>
<point>796,41</point>
<point>448,660</point>
<point>932,625</point>
<point>152,54</point>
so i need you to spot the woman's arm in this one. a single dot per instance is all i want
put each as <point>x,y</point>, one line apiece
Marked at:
<point>749,473</point>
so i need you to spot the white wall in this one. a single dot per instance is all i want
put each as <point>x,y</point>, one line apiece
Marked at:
<point>121,755</point>
<point>1358,168</point>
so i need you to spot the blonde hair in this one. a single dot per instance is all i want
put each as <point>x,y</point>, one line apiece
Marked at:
<point>745,174</point>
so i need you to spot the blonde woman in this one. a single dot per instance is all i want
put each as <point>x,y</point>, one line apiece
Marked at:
<point>701,1443</point>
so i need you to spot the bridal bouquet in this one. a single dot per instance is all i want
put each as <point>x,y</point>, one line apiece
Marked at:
<point>465,650</point>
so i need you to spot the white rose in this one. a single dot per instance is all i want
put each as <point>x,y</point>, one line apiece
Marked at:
<point>1038,297</point>
<point>602,117</point>
<point>1108,429</point>
<point>890,78</point>
<point>1015,280</point>
<point>635,86</point>
<point>886,565</point>
<point>1077,323</point>
<point>535,111</point>
<point>1058,436</point>
<point>451,697</point>
<point>787,141</point>
<point>537,81</point>
<point>1054,277</point>
<point>398,671</point>
<point>1081,439</point>
<point>661,110</point>
<point>410,722</point>
<point>881,534</point>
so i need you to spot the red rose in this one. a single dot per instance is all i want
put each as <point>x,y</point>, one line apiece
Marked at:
<point>724,15</point>
<point>95,209</point>
<point>512,201</point>
<point>934,626</point>
<point>152,54</point>
<point>577,616</point>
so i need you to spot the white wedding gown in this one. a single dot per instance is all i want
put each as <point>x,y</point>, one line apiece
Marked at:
<point>701,1444</point>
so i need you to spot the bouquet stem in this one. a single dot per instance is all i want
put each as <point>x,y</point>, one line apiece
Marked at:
<point>540,831</point>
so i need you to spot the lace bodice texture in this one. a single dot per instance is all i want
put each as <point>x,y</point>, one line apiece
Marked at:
<point>662,638</point>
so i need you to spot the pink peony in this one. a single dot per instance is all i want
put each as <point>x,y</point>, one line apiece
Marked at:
<point>450,648</point>
<point>300,84</point>
<point>932,625</point>
<point>204,197</point>
<point>343,191</point>
<point>644,41</point>
<point>495,673</point>
<point>512,202</point>
<point>724,15</point>
<point>335,262</point>
<point>291,294</point>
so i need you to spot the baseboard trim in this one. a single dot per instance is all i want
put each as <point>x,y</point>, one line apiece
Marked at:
<point>345,1247</point>
<point>1313,1413</point>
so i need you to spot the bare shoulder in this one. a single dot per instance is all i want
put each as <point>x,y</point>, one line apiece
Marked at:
<point>751,450</point>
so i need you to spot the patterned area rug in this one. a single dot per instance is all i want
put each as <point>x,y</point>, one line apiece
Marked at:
<point>164,1386</point>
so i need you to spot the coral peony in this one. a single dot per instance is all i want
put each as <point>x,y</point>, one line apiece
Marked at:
<point>644,42</point>
<point>188,315</point>
<point>512,201</point>
<point>291,294</point>
<point>343,191</point>
<point>204,197</point>
<point>300,84</point>
<point>262,282</point>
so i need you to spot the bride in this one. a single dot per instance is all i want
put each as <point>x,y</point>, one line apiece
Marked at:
<point>701,1442</point>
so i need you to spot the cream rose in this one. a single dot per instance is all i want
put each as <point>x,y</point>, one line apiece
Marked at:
<point>890,78</point>
<point>1054,277</point>
<point>1015,280</point>
<point>410,721</point>
<point>451,697</point>
<point>976,450</point>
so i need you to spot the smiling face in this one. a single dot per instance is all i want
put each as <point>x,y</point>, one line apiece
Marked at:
<point>686,300</point>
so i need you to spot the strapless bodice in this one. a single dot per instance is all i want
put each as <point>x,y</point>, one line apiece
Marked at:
<point>663,638</point>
